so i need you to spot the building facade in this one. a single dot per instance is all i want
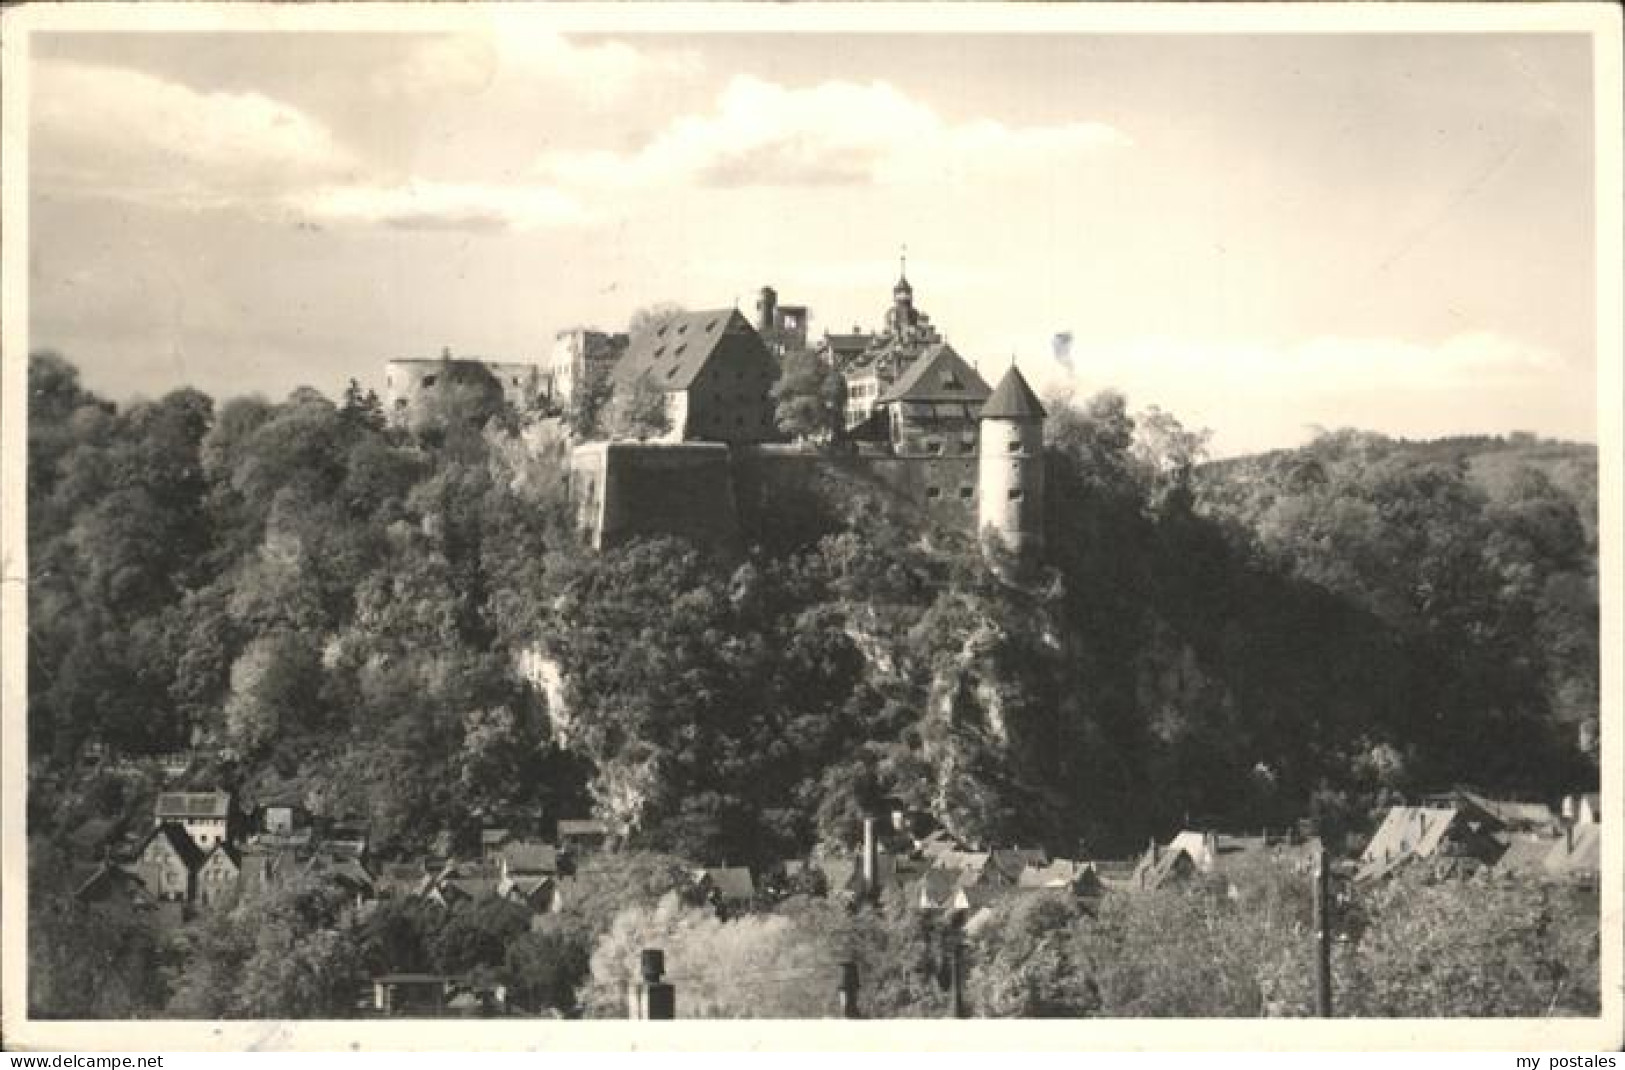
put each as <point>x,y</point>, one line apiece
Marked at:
<point>715,371</point>
<point>783,327</point>
<point>412,385</point>
<point>579,355</point>
<point>206,816</point>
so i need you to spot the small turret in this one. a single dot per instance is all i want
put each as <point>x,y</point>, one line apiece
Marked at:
<point>1011,467</point>
<point>767,307</point>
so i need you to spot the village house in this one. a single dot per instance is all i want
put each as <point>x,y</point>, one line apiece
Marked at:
<point>491,841</point>
<point>1232,865</point>
<point>1576,855</point>
<point>347,838</point>
<point>1585,809</point>
<point>1080,879</point>
<point>168,864</point>
<point>726,887</point>
<point>219,876</point>
<point>581,834</point>
<point>1461,835</point>
<point>281,816</point>
<point>346,873</point>
<point>410,993</point>
<point>527,858</point>
<point>112,883</point>
<point>206,816</point>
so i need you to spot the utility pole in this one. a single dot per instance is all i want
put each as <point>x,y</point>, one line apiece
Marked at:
<point>848,991</point>
<point>1323,934</point>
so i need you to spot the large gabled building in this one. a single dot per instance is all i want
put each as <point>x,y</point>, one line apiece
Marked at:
<point>715,371</point>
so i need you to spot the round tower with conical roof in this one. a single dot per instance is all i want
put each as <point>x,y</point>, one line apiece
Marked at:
<point>1010,484</point>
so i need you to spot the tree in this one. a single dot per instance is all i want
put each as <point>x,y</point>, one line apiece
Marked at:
<point>476,935</point>
<point>362,408</point>
<point>590,397</point>
<point>275,685</point>
<point>547,966</point>
<point>653,317</point>
<point>1492,947</point>
<point>644,412</point>
<point>811,397</point>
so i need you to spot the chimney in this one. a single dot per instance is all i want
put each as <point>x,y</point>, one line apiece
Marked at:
<point>1153,850</point>
<point>871,858</point>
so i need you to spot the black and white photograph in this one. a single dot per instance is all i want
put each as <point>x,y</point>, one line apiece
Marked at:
<point>520,516</point>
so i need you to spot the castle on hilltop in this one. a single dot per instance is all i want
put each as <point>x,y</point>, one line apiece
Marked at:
<point>920,424</point>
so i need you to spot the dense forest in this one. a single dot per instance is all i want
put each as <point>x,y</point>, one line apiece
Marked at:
<point>311,602</point>
<point>312,599</point>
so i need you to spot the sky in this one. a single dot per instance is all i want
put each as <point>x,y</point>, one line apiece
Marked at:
<point>1262,234</point>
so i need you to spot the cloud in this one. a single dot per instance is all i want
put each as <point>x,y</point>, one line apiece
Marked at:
<point>420,205</point>
<point>836,133</point>
<point>511,49</point>
<point>126,135</point>
<point>120,134</point>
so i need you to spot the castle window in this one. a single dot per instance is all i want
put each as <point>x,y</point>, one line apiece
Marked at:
<point>966,493</point>
<point>671,372</point>
<point>429,380</point>
<point>679,350</point>
<point>1015,445</point>
<point>933,446</point>
<point>1015,494</point>
<point>932,492</point>
<point>660,351</point>
<point>711,325</point>
<point>682,328</point>
<point>661,331</point>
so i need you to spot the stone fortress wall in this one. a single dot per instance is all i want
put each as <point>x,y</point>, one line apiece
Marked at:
<point>409,382</point>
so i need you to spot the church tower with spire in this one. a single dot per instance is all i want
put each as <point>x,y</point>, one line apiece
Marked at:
<point>1010,470</point>
<point>903,320</point>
